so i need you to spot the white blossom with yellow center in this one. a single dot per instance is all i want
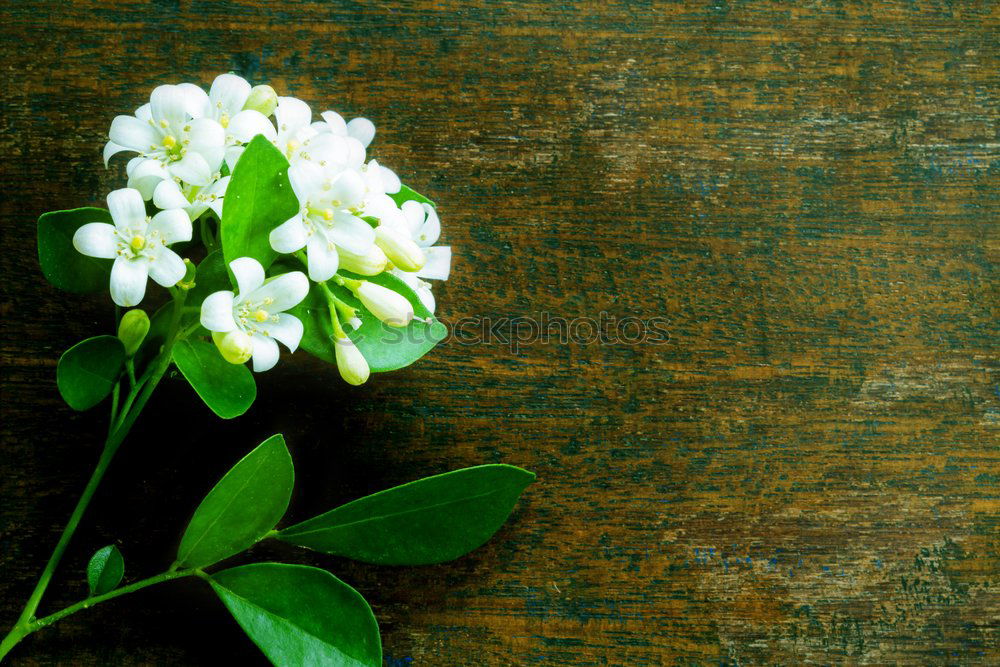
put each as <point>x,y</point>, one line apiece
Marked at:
<point>257,310</point>
<point>137,243</point>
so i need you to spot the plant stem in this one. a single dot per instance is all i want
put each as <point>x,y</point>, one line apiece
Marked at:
<point>132,406</point>
<point>20,632</point>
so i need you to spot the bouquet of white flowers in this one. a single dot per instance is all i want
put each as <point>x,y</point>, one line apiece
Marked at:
<point>265,226</point>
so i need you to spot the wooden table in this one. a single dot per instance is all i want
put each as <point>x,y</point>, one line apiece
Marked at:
<point>807,194</point>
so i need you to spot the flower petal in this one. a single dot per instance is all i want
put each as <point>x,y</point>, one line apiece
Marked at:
<point>355,153</point>
<point>169,103</point>
<point>322,259</point>
<point>428,234</point>
<point>265,353</point>
<point>427,298</point>
<point>168,195</point>
<point>285,291</point>
<point>146,175</point>
<point>351,233</point>
<point>415,216</point>
<point>390,180</point>
<point>349,188</point>
<point>110,149</point>
<point>246,125</point>
<point>192,168</point>
<point>96,239</point>
<point>196,102</point>
<point>438,263</point>
<point>361,129</point>
<point>127,209</point>
<point>249,274</point>
<point>144,113</point>
<point>288,329</point>
<point>134,134</point>
<point>334,122</point>
<point>167,268</point>
<point>233,154</point>
<point>291,114</point>
<point>217,312</point>
<point>128,281</point>
<point>307,179</point>
<point>173,225</point>
<point>228,94</point>
<point>205,134</point>
<point>289,236</point>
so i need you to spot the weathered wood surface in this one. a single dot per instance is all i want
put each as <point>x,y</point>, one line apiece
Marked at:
<point>808,193</point>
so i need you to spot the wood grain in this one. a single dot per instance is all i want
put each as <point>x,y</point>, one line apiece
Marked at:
<point>807,193</point>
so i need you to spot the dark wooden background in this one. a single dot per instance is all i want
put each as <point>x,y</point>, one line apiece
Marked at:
<point>807,192</point>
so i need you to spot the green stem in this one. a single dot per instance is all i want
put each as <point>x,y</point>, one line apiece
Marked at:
<point>131,408</point>
<point>331,304</point>
<point>20,632</point>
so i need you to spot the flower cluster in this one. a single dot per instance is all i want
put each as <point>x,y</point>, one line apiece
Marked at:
<point>351,223</point>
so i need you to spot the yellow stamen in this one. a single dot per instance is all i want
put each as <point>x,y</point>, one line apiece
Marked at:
<point>138,242</point>
<point>260,315</point>
<point>169,141</point>
<point>224,120</point>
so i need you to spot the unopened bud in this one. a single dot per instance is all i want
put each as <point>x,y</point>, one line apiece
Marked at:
<point>132,330</point>
<point>187,282</point>
<point>391,307</point>
<point>400,249</point>
<point>263,99</point>
<point>234,346</point>
<point>370,264</point>
<point>350,362</point>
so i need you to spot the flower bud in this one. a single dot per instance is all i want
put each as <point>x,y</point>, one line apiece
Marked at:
<point>370,264</point>
<point>391,307</point>
<point>234,346</point>
<point>400,249</point>
<point>263,99</point>
<point>187,282</point>
<point>350,362</point>
<point>132,330</point>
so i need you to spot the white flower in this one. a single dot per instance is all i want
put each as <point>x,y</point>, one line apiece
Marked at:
<point>194,199</point>
<point>424,227</point>
<point>227,100</point>
<point>325,221</point>
<point>351,363</point>
<point>391,307</point>
<point>258,310</point>
<point>138,245</point>
<point>172,131</point>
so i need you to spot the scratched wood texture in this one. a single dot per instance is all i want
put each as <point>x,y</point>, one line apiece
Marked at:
<point>808,194</point>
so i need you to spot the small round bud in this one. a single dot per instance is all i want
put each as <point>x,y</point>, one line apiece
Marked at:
<point>400,249</point>
<point>391,307</point>
<point>132,330</point>
<point>187,282</point>
<point>263,99</point>
<point>350,362</point>
<point>234,346</point>
<point>370,264</point>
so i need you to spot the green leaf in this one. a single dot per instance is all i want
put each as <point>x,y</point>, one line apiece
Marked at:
<point>431,520</point>
<point>385,348</point>
<point>62,264</point>
<point>212,276</point>
<point>300,615</point>
<point>228,389</point>
<point>407,194</point>
<point>88,371</point>
<point>241,508</point>
<point>105,570</point>
<point>258,199</point>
